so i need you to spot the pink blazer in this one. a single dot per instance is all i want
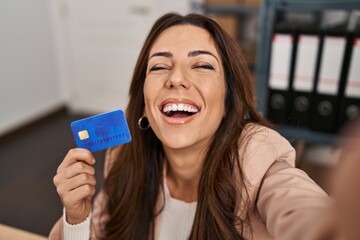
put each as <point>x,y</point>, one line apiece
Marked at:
<point>288,204</point>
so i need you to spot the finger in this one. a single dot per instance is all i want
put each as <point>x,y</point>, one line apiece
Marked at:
<point>75,155</point>
<point>73,170</point>
<point>76,169</point>
<point>79,194</point>
<point>65,177</point>
<point>76,182</point>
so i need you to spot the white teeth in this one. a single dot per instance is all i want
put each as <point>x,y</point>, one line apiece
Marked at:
<point>179,107</point>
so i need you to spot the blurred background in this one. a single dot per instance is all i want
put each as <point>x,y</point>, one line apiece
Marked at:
<point>63,60</point>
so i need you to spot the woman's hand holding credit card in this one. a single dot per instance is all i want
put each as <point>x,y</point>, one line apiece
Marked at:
<point>75,178</point>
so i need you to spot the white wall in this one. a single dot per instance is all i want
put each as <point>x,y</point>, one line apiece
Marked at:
<point>102,40</point>
<point>37,62</point>
<point>29,79</point>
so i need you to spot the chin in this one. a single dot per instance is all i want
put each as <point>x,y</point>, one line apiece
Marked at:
<point>176,142</point>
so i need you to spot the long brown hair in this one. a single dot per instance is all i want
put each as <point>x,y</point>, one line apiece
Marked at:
<point>134,183</point>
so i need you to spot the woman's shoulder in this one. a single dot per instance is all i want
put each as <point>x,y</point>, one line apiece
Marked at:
<point>257,135</point>
<point>256,131</point>
<point>260,147</point>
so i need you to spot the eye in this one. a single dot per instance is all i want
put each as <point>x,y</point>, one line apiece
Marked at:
<point>158,68</point>
<point>204,66</point>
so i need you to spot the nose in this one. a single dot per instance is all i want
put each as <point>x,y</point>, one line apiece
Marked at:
<point>178,79</point>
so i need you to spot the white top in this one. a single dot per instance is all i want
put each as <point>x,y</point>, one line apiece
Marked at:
<point>175,221</point>
<point>76,231</point>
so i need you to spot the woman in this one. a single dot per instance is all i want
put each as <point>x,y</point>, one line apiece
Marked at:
<point>201,164</point>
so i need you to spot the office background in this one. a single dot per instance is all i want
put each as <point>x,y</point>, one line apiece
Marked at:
<point>62,60</point>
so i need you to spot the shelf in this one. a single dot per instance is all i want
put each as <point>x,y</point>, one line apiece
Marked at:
<point>293,133</point>
<point>267,15</point>
<point>227,9</point>
<point>313,5</point>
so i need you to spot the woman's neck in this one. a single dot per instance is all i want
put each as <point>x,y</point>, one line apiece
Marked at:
<point>183,172</point>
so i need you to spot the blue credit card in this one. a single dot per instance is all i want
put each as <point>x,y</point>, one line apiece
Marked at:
<point>101,131</point>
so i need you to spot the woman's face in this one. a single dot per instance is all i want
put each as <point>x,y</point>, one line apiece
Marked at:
<point>184,87</point>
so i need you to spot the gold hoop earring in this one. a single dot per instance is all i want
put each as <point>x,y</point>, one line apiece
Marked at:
<point>143,123</point>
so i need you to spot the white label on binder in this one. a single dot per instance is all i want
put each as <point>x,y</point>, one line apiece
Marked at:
<point>353,82</point>
<point>331,64</point>
<point>280,61</point>
<point>305,63</point>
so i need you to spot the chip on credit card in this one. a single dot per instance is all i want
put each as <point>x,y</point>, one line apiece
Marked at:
<point>101,131</point>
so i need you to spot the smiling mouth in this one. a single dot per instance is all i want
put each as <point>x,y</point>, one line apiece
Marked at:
<point>180,110</point>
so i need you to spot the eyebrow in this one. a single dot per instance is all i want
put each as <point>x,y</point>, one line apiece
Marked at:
<point>162,54</point>
<point>190,54</point>
<point>199,52</point>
